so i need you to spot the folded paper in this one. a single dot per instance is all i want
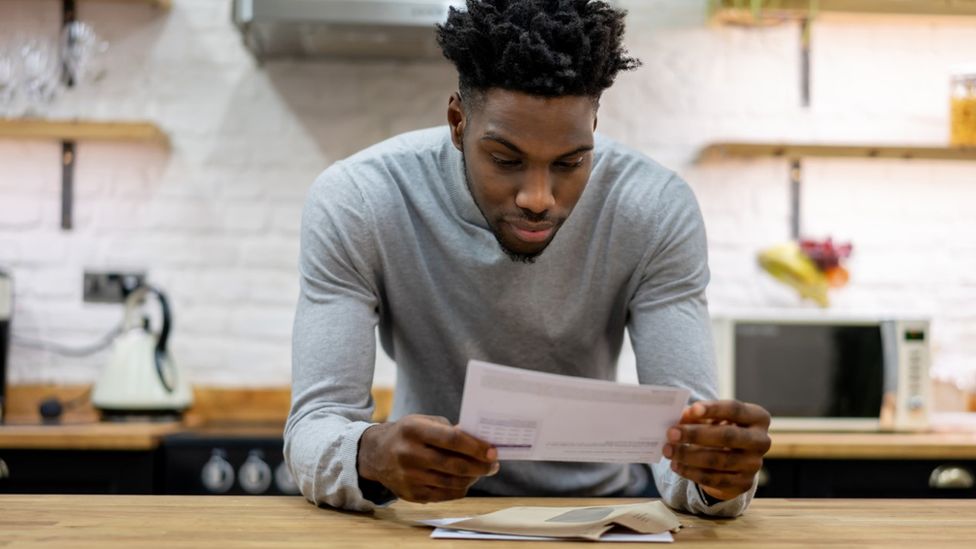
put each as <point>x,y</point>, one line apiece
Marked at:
<point>652,517</point>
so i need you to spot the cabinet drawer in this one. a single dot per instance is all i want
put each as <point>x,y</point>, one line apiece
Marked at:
<point>777,479</point>
<point>76,472</point>
<point>873,478</point>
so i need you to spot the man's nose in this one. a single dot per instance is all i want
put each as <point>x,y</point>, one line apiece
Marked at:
<point>535,194</point>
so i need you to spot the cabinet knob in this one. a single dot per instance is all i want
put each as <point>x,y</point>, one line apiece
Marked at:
<point>763,477</point>
<point>947,477</point>
<point>255,475</point>
<point>4,470</point>
<point>217,474</point>
<point>284,480</point>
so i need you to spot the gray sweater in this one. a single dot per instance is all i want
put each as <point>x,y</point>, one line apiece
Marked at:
<point>392,237</point>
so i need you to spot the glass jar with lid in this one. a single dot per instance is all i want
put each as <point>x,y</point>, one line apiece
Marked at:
<point>963,115</point>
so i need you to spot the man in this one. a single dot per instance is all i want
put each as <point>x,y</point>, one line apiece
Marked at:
<point>515,236</point>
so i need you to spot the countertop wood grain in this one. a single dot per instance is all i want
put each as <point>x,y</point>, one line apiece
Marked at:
<point>290,522</point>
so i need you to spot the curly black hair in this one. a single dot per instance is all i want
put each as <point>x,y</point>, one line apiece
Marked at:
<point>546,48</point>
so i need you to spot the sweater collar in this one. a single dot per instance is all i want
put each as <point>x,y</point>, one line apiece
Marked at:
<point>457,188</point>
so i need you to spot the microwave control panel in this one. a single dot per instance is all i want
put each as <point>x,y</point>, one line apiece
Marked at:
<point>913,377</point>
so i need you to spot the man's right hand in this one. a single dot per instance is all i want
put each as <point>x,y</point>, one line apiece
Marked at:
<point>424,458</point>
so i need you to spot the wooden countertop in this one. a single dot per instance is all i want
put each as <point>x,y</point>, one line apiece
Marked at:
<point>146,436</point>
<point>873,446</point>
<point>121,436</point>
<point>291,522</point>
<point>87,436</point>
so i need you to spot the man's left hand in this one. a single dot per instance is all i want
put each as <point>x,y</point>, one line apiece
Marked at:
<point>719,445</point>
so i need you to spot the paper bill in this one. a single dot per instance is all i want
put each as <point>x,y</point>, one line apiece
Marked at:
<point>531,415</point>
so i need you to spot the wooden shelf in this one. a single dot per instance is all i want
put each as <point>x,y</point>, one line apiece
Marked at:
<point>782,10</point>
<point>80,130</point>
<point>798,150</point>
<point>161,4</point>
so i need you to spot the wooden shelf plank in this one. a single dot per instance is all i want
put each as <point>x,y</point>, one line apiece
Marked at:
<point>81,130</point>
<point>800,150</point>
<point>161,4</point>
<point>781,10</point>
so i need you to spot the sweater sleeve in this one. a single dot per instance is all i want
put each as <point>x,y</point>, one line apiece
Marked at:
<point>670,328</point>
<point>333,347</point>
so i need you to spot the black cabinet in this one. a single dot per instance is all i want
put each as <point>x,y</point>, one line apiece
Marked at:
<point>183,463</point>
<point>78,471</point>
<point>866,478</point>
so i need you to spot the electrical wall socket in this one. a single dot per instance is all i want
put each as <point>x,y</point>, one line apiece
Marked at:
<point>111,286</point>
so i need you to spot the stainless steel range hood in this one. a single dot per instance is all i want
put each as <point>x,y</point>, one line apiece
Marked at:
<point>349,29</point>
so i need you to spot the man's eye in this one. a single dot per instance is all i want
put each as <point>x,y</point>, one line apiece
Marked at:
<point>570,165</point>
<point>505,162</point>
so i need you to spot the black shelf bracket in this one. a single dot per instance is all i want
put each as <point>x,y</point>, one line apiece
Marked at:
<point>796,189</point>
<point>68,16</point>
<point>67,184</point>
<point>806,31</point>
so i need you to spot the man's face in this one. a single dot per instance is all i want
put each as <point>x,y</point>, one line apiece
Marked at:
<point>527,160</point>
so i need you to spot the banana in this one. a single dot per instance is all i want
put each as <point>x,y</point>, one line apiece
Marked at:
<point>788,264</point>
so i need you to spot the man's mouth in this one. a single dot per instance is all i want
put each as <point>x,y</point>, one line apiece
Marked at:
<point>532,232</point>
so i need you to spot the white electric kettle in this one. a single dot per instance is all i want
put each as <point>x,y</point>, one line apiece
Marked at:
<point>140,378</point>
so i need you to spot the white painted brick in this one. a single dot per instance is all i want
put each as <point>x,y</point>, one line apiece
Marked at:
<point>214,218</point>
<point>65,322</point>
<point>265,322</point>
<point>63,284</point>
<point>42,249</point>
<point>29,168</point>
<point>194,216</point>
<point>271,253</point>
<point>287,220</point>
<point>205,285</point>
<point>233,362</point>
<point>195,320</point>
<point>112,217</point>
<point>168,251</point>
<point>245,217</point>
<point>17,214</point>
<point>9,250</point>
<point>737,264</point>
<point>32,366</point>
<point>272,287</point>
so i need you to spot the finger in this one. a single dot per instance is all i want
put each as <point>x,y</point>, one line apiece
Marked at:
<point>439,419</point>
<point>444,481</point>
<point>429,494</point>
<point>693,413</point>
<point>426,493</point>
<point>452,438</point>
<point>721,480</point>
<point>444,494</point>
<point>721,436</point>
<point>745,414</point>
<point>714,459</point>
<point>459,465</point>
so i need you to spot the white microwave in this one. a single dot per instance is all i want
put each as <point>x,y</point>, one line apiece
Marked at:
<point>817,372</point>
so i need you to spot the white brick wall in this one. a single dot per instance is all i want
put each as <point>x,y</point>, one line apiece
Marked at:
<point>215,220</point>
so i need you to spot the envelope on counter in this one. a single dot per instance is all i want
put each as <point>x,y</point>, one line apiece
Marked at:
<point>589,523</point>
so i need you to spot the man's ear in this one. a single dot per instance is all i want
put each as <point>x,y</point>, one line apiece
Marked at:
<point>456,120</point>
